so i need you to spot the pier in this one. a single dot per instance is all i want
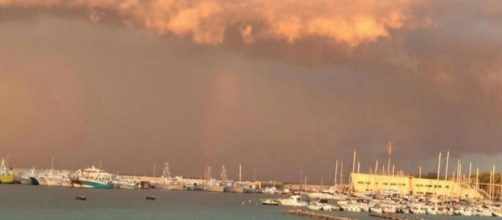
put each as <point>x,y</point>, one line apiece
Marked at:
<point>392,216</point>
<point>308,214</point>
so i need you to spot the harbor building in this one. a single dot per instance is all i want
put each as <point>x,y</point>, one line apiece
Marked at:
<point>409,185</point>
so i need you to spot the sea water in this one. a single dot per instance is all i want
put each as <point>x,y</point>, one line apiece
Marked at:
<point>56,203</point>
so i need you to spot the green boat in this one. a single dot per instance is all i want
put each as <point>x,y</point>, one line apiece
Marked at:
<point>95,178</point>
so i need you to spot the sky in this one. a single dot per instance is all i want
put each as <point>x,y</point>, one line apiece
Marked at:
<point>277,86</point>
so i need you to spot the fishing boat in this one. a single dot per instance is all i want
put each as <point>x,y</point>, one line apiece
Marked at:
<point>214,187</point>
<point>52,178</point>
<point>168,182</point>
<point>95,178</point>
<point>6,174</point>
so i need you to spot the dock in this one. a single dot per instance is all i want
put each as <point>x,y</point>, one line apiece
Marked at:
<point>392,216</point>
<point>309,214</point>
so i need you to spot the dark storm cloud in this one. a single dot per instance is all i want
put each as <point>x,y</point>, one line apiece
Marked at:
<point>84,91</point>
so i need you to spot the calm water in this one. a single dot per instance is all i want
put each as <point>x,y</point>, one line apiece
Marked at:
<point>54,203</point>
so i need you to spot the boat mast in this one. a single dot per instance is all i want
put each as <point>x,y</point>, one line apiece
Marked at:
<point>470,173</point>
<point>336,171</point>
<point>341,173</point>
<point>389,151</point>
<point>353,166</point>
<point>447,162</point>
<point>439,165</point>
<point>477,178</point>
<point>240,173</point>
<point>223,174</point>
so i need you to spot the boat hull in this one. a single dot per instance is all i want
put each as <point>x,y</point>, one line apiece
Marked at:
<point>7,179</point>
<point>213,188</point>
<point>96,184</point>
<point>34,181</point>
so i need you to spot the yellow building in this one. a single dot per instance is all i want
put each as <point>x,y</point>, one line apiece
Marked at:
<point>408,185</point>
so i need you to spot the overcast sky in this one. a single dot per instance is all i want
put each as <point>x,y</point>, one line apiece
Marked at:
<point>278,86</point>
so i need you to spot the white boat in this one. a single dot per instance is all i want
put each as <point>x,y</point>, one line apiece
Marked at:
<point>497,213</point>
<point>315,207</point>
<point>389,209</point>
<point>271,191</point>
<point>213,185</point>
<point>326,195</point>
<point>351,208</point>
<point>294,200</point>
<point>51,178</point>
<point>376,210</point>
<point>270,202</point>
<point>465,212</point>
<point>124,183</point>
<point>418,210</point>
<point>483,212</point>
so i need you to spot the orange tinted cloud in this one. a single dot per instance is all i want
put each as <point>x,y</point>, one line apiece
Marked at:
<point>350,22</point>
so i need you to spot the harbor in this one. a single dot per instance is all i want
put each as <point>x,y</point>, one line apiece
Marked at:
<point>382,192</point>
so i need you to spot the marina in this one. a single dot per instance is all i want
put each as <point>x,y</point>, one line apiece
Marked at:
<point>380,193</point>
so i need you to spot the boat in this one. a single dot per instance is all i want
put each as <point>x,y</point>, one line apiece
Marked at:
<point>95,178</point>
<point>294,200</point>
<point>215,188</point>
<point>150,198</point>
<point>376,210</point>
<point>124,183</point>
<point>213,185</point>
<point>271,191</point>
<point>50,178</point>
<point>169,183</point>
<point>497,213</point>
<point>80,197</point>
<point>6,174</point>
<point>33,177</point>
<point>270,202</point>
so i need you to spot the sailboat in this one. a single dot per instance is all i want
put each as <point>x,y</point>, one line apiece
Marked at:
<point>238,187</point>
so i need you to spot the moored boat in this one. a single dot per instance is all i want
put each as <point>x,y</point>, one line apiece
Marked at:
<point>6,174</point>
<point>269,202</point>
<point>95,178</point>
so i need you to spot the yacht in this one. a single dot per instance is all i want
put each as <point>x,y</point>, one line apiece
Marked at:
<point>294,200</point>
